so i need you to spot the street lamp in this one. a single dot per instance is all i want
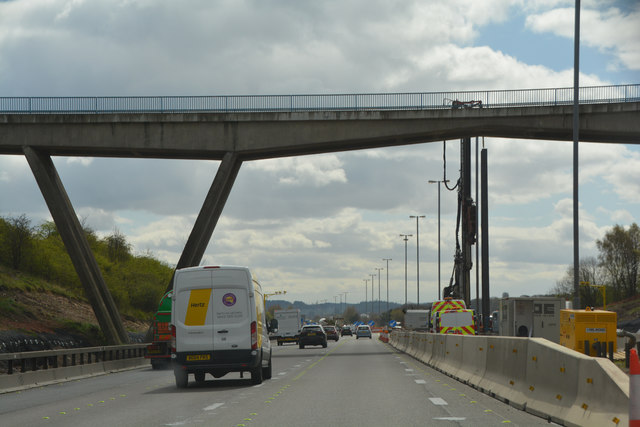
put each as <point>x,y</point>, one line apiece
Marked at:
<point>373,276</point>
<point>345,301</point>
<point>438,182</point>
<point>417,254</point>
<point>379,287</point>
<point>405,238</point>
<point>366,289</point>
<point>387,259</point>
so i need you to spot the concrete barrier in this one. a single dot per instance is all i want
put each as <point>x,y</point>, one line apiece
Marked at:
<point>474,359</point>
<point>505,370</point>
<point>603,394</point>
<point>532,374</point>
<point>25,380</point>
<point>551,379</point>
<point>452,354</point>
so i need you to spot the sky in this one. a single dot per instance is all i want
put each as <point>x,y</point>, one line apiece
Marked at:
<point>319,226</point>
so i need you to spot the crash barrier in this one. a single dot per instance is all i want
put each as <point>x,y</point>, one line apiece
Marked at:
<point>531,374</point>
<point>34,368</point>
<point>634,389</point>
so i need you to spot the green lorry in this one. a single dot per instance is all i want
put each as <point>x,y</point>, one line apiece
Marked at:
<point>159,351</point>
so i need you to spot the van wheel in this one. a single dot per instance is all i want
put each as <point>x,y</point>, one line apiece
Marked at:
<point>256,375</point>
<point>182,378</point>
<point>268,371</point>
<point>301,345</point>
<point>199,377</point>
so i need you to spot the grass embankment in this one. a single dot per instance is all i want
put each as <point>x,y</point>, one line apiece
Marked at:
<point>30,305</point>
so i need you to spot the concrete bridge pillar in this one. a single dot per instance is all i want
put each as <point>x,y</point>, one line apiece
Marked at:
<point>77,245</point>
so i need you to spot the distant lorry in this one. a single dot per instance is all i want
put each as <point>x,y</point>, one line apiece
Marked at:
<point>218,324</point>
<point>531,317</point>
<point>159,351</point>
<point>289,325</point>
<point>451,316</point>
<point>417,320</point>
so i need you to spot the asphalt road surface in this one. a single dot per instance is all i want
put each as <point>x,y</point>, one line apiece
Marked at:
<point>361,382</point>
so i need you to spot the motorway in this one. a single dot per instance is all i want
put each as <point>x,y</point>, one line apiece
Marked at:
<point>361,382</point>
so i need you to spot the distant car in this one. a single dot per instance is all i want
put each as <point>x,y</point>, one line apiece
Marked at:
<point>363,331</point>
<point>312,335</point>
<point>346,330</point>
<point>332,333</point>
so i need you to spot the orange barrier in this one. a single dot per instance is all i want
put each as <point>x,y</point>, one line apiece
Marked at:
<point>634,389</point>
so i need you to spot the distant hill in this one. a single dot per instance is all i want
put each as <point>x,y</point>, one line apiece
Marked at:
<point>311,311</point>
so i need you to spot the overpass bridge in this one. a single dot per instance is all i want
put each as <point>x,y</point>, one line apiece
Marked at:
<point>235,129</point>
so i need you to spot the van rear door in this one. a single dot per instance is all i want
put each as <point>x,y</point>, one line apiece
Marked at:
<point>193,318</point>
<point>232,314</point>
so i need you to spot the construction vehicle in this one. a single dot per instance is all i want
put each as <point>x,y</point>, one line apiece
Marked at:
<point>451,316</point>
<point>159,351</point>
<point>289,325</point>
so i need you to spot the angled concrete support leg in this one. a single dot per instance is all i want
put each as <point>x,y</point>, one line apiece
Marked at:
<point>77,245</point>
<point>210,212</point>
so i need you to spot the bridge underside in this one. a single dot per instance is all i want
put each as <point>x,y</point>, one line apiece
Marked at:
<point>237,137</point>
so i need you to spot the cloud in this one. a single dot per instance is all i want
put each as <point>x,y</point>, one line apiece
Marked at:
<point>608,29</point>
<point>318,171</point>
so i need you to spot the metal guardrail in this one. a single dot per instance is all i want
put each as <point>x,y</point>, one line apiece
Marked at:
<point>51,359</point>
<point>338,102</point>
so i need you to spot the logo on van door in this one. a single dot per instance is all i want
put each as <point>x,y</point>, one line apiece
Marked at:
<point>229,299</point>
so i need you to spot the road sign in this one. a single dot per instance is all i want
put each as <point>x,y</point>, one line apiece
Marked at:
<point>393,323</point>
<point>371,323</point>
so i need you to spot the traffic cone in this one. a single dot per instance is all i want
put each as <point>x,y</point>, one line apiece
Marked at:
<point>634,389</point>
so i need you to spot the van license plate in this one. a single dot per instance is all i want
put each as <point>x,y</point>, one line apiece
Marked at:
<point>196,357</point>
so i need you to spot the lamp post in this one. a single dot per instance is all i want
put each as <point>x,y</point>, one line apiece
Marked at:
<point>405,237</point>
<point>345,301</point>
<point>366,289</point>
<point>387,259</point>
<point>373,276</point>
<point>379,287</point>
<point>438,182</point>
<point>417,217</point>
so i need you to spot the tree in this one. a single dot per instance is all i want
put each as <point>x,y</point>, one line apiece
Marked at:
<point>351,315</point>
<point>19,236</point>
<point>118,248</point>
<point>590,273</point>
<point>620,257</point>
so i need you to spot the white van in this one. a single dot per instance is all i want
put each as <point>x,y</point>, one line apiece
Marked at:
<point>218,324</point>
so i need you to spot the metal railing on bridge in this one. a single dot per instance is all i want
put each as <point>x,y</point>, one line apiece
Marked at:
<point>337,102</point>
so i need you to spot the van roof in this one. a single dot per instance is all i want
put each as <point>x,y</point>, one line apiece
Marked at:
<point>203,267</point>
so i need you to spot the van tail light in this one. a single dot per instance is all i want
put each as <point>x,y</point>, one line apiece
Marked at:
<point>254,336</point>
<point>173,338</point>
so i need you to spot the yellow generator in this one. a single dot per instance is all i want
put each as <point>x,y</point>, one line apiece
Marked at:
<point>591,332</point>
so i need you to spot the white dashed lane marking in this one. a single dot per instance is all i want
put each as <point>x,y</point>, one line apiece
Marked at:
<point>438,401</point>
<point>214,406</point>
